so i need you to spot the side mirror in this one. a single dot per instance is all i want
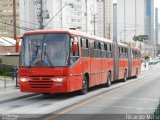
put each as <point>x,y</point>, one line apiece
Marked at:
<point>74,47</point>
<point>17,43</point>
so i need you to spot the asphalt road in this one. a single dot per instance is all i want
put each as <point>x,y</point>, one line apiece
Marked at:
<point>136,100</point>
<point>136,96</point>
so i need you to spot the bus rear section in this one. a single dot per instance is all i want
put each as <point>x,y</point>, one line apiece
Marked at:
<point>135,62</point>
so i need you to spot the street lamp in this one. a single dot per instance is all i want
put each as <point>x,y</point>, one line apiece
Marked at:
<point>70,4</point>
<point>121,32</point>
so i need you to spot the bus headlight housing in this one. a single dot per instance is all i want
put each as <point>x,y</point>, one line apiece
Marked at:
<point>58,79</point>
<point>24,79</point>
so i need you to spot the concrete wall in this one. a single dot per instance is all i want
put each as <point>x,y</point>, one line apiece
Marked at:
<point>7,49</point>
<point>10,59</point>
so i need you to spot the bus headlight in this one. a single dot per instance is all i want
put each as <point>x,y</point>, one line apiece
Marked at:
<point>24,79</point>
<point>58,79</point>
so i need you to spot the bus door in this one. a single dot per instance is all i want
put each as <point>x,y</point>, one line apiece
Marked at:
<point>85,59</point>
<point>92,67</point>
<point>76,78</point>
<point>95,62</point>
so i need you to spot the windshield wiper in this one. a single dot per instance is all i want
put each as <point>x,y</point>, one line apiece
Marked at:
<point>46,59</point>
<point>37,50</point>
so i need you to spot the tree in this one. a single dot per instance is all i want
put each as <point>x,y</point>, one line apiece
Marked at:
<point>140,38</point>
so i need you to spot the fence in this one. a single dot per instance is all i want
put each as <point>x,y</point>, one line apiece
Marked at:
<point>8,71</point>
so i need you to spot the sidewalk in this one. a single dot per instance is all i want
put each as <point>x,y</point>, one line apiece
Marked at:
<point>11,92</point>
<point>144,66</point>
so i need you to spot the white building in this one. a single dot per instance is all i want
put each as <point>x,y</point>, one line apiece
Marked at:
<point>100,19</point>
<point>135,17</point>
<point>159,33</point>
<point>156,26</point>
<point>104,19</point>
<point>64,14</point>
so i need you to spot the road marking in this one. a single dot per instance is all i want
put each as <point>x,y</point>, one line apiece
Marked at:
<point>130,98</point>
<point>140,108</point>
<point>96,97</point>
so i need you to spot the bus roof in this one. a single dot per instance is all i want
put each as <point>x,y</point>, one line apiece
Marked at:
<point>73,32</point>
<point>78,33</point>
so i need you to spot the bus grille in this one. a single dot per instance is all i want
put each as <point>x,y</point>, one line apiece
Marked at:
<point>40,82</point>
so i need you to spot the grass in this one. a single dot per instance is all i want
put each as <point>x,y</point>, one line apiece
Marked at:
<point>2,77</point>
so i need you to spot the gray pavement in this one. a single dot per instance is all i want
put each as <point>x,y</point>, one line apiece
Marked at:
<point>9,91</point>
<point>135,101</point>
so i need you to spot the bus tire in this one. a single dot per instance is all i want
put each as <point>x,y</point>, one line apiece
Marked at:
<point>108,83</point>
<point>46,94</point>
<point>136,75</point>
<point>84,86</point>
<point>125,76</point>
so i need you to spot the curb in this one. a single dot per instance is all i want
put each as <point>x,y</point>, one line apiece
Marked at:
<point>16,98</point>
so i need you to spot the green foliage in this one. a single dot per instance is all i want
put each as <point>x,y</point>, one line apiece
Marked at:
<point>6,70</point>
<point>140,38</point>
<point>156,115</point>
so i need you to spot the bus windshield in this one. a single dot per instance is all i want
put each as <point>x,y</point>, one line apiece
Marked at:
<point>42,50</point>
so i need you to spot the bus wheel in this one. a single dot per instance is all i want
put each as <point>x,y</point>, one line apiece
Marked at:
<point>84,86</point>
<point>136,76</point>
<point>46,94</point>
<point>125,76</point>
<point>108,84</point>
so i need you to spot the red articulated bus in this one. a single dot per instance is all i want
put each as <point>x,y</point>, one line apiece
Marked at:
<point>60,61</point>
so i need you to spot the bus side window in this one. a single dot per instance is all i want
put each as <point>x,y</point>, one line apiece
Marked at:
<point>110,51</point>
<point>92,49</point>
<point>105,48</point>
<point>74,56</point>
<point>136,52</point>
<point>84,47</point>
<point>103,52</point>
<point>123,53</point>
<point>97,49</point>
<point>120,53</point>
<point>126,53</point>
<point>139,55</point>
<point>133,54</point>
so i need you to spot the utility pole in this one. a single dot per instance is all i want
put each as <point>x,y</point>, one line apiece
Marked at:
<point>109,32</point>
<point>14,19</point>
<point>135,17</point>
<point>104,19</point>
<point>86,16</point>
<point>94,22</point>
<point>41,14</point>
<point>124,20</point>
